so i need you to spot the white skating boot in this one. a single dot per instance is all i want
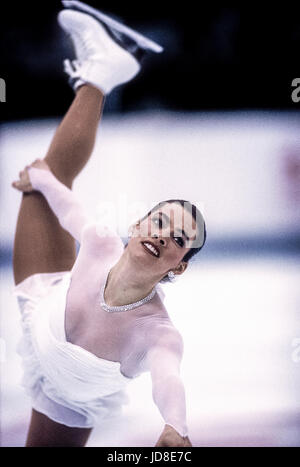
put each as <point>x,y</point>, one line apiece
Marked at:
<point>108,53</point>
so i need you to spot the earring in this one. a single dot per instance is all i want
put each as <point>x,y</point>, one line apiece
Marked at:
<point>171,276</point>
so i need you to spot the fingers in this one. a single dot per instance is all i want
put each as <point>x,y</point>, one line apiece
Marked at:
<point>24,184</point>
<point>36,162</point>
<point>39,163</point>
<point>20,186</point>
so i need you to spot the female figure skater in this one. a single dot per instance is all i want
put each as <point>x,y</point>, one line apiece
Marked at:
<point>93,323</point>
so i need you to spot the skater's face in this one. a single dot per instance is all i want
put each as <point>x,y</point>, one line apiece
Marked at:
<point>169,232</point>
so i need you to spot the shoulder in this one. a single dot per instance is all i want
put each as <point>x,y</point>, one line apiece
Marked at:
<point>161,344</point>
<point>166,336</point>
<point>164,351</point>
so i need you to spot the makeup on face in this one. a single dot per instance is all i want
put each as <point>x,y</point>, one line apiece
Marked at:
<point>174,223</point>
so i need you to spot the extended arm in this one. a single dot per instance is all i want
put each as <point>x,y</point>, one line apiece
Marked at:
<point>163,361</point>
<point>61,199</point>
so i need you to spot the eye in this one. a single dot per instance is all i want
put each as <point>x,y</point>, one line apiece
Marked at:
<point>158,221</point>
<point>179,240</point>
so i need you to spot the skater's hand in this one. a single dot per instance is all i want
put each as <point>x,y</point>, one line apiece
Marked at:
<point>171,438</point>
<point>24,184</point>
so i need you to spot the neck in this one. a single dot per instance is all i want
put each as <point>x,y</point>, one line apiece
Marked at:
<point>126,283</point>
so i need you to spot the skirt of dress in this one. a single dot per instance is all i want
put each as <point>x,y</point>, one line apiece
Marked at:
<point>65,382</point>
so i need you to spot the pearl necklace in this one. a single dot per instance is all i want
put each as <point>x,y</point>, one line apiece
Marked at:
<point>130,306</point>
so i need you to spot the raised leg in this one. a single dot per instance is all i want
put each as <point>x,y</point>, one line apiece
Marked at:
<point>41,244</point>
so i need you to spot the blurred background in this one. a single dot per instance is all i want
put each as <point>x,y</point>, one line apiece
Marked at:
<point>211,120</point>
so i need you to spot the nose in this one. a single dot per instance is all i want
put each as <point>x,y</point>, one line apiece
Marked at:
<point>162,241</point>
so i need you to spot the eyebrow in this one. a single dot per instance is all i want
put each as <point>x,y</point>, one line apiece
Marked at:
<point>168,219</point>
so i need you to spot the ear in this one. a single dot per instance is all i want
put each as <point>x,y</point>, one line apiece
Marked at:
<point>180,268</point>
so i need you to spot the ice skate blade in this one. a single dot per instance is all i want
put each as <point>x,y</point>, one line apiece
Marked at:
<point>141,40</point>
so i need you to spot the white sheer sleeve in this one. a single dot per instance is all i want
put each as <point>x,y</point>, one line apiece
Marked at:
<point>62,201</point>
<point>163,360</point>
